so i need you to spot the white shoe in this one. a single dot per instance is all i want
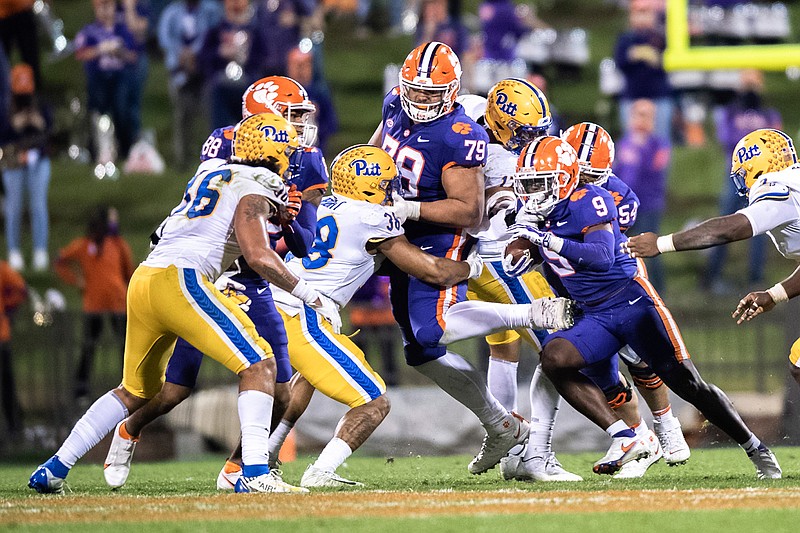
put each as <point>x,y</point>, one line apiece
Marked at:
<point>317,477</point>
<point>15,260</point>
<point>41,261</point>
<point>538,468</point>
<point>228,476</point>
<point>636,469</point>
<point>767,466</point>
<point>552,313</point>
<point>117,465</point>
<point>670,435</point>
<point>622,450</point>
<point>268,482</point>
<point>496,444</point>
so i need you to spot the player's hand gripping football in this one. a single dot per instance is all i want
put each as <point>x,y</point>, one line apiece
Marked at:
<point>753,305</point>
<point>643,245</point>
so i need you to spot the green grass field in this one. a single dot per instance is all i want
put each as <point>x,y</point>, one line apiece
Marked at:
<point>716,491</point>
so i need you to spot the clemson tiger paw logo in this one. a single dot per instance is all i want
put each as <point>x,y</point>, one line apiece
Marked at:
<point>565,156</point>
<point>462,127</point>
<point>265,93</point>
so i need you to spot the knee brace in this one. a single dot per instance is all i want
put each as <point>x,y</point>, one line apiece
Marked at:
<point>645,377</point>
<point>619,394</point>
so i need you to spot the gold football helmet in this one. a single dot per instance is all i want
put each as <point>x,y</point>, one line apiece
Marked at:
<point>517,112</point>
<point>365,172</point>
<point>266,140</point>
<point>760,152</point>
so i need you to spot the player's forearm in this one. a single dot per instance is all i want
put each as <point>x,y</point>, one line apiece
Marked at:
<point>299,235</point>
<point>452,212</point>
<point>271,267</point>
<point>423,266</point>
<point>713,232</point>
<point>595,253</point>
<point>792,284</point>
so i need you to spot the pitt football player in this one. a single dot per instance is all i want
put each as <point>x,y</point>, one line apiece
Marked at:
<point>439,152</point>
<point>307,177</point>
<point>171,295</point>
<point>581,242</point>
<point>764,168</point>
<point>515,112</point>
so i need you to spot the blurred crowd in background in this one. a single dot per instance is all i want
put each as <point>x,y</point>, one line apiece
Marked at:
<point>214,49</point>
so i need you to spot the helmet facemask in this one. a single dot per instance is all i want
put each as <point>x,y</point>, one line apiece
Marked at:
<point>301,116</point>
<point>537,190</point>
<point>739,178</point>
<point>523,135</point>
<point>595,176</point>
<point>427,112</point>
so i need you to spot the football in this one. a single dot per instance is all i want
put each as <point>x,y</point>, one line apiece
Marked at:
<point>519,248</point>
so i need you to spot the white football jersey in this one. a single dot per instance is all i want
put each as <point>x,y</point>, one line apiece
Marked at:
<point>339,264</point>
<point>774,209</point>
<point>199,233</point>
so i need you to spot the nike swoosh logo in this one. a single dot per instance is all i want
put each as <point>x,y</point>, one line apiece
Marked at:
<point>631,302</point>
<point>425,248</point>
<point>420,139</point>
<point>559,224</point>
<point>261,290</point>
<point>626,449</point>
<point>519,430</point>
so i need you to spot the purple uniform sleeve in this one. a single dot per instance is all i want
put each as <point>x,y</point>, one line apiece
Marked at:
<point>595,253</point>
<point>309,170</point>
<point>467,143</point>
<point>592,205</point>
<point>626,201</point>
<point>218,145</point>
<point>299,235</point>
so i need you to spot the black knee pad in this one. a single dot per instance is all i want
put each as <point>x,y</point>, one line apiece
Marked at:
<point>619,395</point>
<point>645,377</point>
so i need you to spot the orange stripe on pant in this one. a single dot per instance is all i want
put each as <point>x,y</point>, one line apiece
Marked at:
<point>449,295</point>
<point>681,353</point>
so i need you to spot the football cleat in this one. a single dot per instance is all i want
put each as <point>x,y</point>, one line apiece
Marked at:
<point>117,465</point>
<point>496,444</point>
<point>229,475</point>
<point>547,173</point>
<point>546,469</point>
<point>622,450</point>
<point>317,477</point>
<point>767,466</point>
<point>673,444</point>
<point>637,469</point>
<point>269,482</point>
<point>552,313</point>
<point>44,481</point>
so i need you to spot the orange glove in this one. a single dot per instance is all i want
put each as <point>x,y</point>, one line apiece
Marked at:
<point>294,204</point>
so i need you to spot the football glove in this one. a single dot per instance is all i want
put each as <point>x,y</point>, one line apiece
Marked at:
<point>404,209</point>
<point>233,290</point>
<point>295,202</point>
<point>545,239</point>
<point>517,267</point>
<point>329,310</point>
<point>475,263</point>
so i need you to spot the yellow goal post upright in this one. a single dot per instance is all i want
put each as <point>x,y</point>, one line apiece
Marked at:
<point>680,55</point>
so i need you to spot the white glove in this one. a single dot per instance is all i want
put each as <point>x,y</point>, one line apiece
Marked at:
<point>233,290</point>
<point>475,263</point>
<point>404,209</point>
<point>528,219</point>
<point>519,267</point>
<point>538,237</point>
<point>329,310</point>
<point>224,282</point>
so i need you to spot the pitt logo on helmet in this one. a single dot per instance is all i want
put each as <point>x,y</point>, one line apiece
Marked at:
<point>362,168</point>
<point>516,113</point>
<point>746,154</point>
<point>510,108</point>
<point>274,134</point>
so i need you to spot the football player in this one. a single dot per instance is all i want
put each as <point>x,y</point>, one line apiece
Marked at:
<point>171,295</point>
<point>514,113</point>
<point>595,150</point>
<point>580,240</point>
<point>356,230</point>
<point>765,169</point>
<point>307,178</point>
<point>439,152</point>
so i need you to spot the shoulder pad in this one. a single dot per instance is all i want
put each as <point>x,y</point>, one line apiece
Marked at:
<point>768,190</point>
<point>372,216</point>
<point>267,179</point>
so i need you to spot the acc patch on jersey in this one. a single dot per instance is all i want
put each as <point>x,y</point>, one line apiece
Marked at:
<point>768,190</point>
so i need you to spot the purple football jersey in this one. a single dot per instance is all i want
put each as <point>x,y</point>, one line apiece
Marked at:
<point>626,201</point>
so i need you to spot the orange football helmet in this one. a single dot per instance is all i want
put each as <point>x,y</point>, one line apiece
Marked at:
<point>285,97</point>
<point>430,70</point>
<point>595,150</point>
<point>547,172</point>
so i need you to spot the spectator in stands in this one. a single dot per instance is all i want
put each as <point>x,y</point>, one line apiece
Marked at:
<point>100,265</point>
<point>233,56</point>
<point>181,32</point>
<point>639,56</point>
<point>135,15</point>
<point>745,114</point>
<point>641,161</point>
<point>282,24</point>
<point>501,28</point>
<point>5,90</point>
<point>18,30</point>
<point>13,292</point>
<point>108,49</point>
<point>440,20</point>
<point>371,312</point>
<point>557,125</point>
<point>26,167</point>
<point>301,68</point>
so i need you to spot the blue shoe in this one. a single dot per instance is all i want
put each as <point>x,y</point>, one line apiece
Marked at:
<point>44,481</point>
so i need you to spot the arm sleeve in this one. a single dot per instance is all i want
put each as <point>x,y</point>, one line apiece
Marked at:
<point>595,253</point>
<point>766,215</point>
<point>299,235</point>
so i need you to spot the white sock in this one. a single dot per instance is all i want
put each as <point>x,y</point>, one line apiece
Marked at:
<point>101,418</point>
<point>255,414</point>
<point>469,319</point>
<point>278,437</point>
<point>616,427</point>
<point>751,444</point>
<point>664,415</point>
<point>502,381</point>
<point>544,408</point>
<point>454,375</point>
<point>334,454</point>
<point>640,428</point>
